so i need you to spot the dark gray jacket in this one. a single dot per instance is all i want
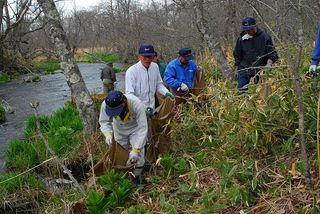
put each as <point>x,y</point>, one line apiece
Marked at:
<point>255,51</point>
<point>108,73</point>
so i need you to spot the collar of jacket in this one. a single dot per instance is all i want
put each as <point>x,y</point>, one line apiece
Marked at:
<point>256,34</point>
<point>127,115</point>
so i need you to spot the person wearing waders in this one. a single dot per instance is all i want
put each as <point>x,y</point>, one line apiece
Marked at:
<point>108,78</point>
<point>123,117</point>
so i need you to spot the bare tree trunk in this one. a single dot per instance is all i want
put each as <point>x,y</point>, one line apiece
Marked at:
<point>79,91</point>
<point>298,91</point>
<point>213,45</point>
<point>2,3</point>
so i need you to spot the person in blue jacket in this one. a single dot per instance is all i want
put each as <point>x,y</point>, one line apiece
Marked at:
<point>180,73</point>
<point>254,49</point>
<point>315,58</point>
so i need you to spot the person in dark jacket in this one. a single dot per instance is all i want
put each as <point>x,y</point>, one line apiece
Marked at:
<point>254,49</point>
<point>108,78</point>
<point>162,66</point>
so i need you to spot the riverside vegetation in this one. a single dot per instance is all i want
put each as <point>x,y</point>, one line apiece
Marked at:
<point>231,153</point>
<point>48,66</point>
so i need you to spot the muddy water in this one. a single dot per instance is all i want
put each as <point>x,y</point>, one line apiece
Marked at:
<point>51,92</point>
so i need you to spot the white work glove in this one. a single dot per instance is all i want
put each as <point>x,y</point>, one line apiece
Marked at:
<point>312,71</point>
<point>269,64</point>
<point>108,136</point>
<point>246,36</point>
<point>183,88</point>
<point>133,156</point>
<point>313,68</point>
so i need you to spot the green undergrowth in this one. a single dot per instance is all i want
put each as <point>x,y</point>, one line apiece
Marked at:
<point>116,188</point>
<point>62,131</point>
<point>14,183</point>
<point>97,57</point>
<point>233,149</point>
<point>46,67</point>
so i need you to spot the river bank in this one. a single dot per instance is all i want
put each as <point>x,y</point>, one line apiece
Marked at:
<point>51,92</point>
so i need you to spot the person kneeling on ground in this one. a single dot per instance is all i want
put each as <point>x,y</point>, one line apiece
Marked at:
<point>123,115</point>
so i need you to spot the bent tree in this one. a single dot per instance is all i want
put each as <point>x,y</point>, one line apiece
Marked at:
<point>212,43</point>
<point>79,91</point>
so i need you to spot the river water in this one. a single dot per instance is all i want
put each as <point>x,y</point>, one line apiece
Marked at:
<point>51,92</point>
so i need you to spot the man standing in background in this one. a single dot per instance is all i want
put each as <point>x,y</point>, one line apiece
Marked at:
<point>254,48</point>
<point>108,78</point>
<point>162,66</point>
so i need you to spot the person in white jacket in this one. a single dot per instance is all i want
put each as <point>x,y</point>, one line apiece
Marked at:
<point>143,78</point>
<point>123,115</point>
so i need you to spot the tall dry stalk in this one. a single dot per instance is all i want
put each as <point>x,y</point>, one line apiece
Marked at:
<point>294,63</point>
<point>318,135</point>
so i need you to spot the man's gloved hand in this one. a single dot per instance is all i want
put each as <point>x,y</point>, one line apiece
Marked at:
<point>246,36</point>
<point>184,87</point>
<point>133,156</point>
<point>149,112</point>
<point>269,63</point>
<point>108,136</point>
<point>170,95</point>
<point>312,71</point>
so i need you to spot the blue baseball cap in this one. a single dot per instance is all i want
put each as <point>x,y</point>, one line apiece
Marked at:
<point>115,102</point>
<point>248,23</point>
<point>186,53</point>
<point>146,50</point>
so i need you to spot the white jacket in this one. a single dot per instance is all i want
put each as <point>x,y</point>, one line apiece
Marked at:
<point>134,130</point>
<point>144,83</point>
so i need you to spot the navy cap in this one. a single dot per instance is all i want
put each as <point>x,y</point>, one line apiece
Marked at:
<point>248,23</point>
<point>186,53</point>
<point>146,50</point>
<point>115,102</point>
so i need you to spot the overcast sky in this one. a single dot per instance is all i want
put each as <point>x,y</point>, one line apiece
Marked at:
<point>82,4</point>
<point>79,4</point>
